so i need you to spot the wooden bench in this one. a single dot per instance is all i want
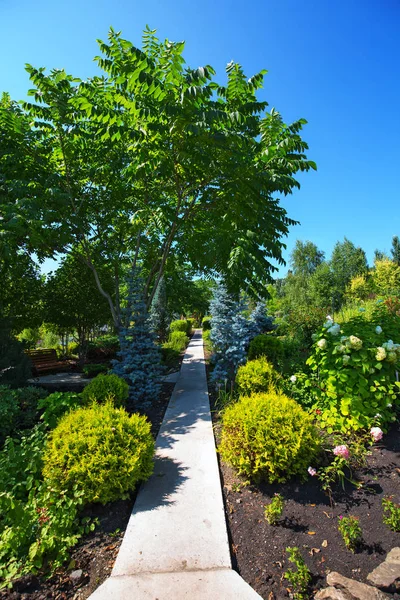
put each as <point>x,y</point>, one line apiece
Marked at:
<point>45,360</point>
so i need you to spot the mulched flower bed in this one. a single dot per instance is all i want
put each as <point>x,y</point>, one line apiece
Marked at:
<point>96,553</point>
<point>310,522</point>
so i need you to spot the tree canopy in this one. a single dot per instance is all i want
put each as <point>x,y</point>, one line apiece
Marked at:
<point>151,159</point>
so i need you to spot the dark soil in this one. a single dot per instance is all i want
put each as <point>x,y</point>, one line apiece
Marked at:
<point>96,553</point>
<point>310,522</point>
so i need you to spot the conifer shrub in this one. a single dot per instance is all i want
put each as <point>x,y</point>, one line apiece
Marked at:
<point>268,437</point>
<point>206,324</point>
<point>104,387</point>
<point>100,450</point>
<point>257,376</point>
<point>266,345</point>
<point>179,325</point>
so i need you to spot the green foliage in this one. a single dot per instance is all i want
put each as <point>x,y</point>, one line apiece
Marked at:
<point>391,514</point>
<point>8,412</point>
<point>92,370</point>
<point>266,345</point>
<point>27,399</point>
<point>301,387</point>
<point>206,324</point>
<point>386,278</point>
<point>170,357</point>
<point>38,525</point>
<point>104,387</point>
<point>207,341</point>
<point>29,338</point>
<point>356,365</point>
<point>274,510</point>
<point>347,261</point>
<point>301,578</point>
<point>180,325</point>
<point>55,405</point>
<point>177,341</point>
<point>303,321</point>
<point>100,449</point>
<point>14,364</point>
<point>257,376</point>
<point>350,530</point>
<point>105,346</point>
<point>268,437</point>
<point>305,258</point>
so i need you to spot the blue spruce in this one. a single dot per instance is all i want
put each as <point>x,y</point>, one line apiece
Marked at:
<point>230,335</point>
<point>260,322</point>
<point>139,357</point>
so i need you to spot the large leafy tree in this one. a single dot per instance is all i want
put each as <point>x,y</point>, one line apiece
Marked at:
<point>154,159</point>
<point>347,261</point>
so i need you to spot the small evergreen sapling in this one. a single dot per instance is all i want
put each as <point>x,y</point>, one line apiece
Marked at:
<point>139,356</point>
<point>260,322</point>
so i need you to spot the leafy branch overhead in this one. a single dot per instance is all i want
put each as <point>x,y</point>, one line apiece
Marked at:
<point>152,159</point>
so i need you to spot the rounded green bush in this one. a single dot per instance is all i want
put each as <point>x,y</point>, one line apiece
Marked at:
<point>102,387</point>
<point>257,376</point>
<point>266,345</point>
<point>179,325</point>
<point>206,323</point>
<point>268,437</point>
<point>100,450</point>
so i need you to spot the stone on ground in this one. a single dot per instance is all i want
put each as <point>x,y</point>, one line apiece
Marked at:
<point>386,576</point>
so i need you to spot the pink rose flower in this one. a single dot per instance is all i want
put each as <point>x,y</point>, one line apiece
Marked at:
<point>376,433</point>
<point>312,471</point>
<point>341,451</point>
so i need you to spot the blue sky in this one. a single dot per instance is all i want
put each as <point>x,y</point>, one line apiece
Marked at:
<point>334,63</point>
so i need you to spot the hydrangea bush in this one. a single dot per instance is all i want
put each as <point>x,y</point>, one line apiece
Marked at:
<point>355,364</point>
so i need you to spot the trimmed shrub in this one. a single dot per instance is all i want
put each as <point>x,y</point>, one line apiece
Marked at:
<point>266,345</point>
<point>206,324</point>
<point>170,357</point>
<point>102,387</point>
<point>101,450</point>
<point>180,325</point>
<point>56,405</point>
<point>257,376</point>
<point>268,437</point>
<point>90,371</point>
<point>177,341</point>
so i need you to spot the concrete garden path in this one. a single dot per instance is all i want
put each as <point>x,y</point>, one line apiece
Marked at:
<point>176,543</point>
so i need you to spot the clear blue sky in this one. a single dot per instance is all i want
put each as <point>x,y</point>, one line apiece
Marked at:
<point>334,63</point>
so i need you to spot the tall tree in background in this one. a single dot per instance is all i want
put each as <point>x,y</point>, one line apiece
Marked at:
<point>396,249</point>
<point>346,262</point>
<point>305,258</point>
<point>153,159</point>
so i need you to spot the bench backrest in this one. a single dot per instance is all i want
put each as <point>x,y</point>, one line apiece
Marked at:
<point>42,356</point>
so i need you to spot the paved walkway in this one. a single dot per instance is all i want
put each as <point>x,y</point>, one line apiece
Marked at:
<point>176,544</point>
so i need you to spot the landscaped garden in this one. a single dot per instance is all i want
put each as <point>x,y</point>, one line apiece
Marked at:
<point>157,190</point>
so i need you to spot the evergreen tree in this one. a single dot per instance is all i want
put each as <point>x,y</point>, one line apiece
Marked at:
<point>139,362</point>
<point>396,249</point>
<point>158,312</point>
<point>230,334</point>
<point>260,322</point>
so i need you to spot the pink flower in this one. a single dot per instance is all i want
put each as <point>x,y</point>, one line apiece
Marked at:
<point>312,471</point>
<point>341,451</point>
<point>376,433</point>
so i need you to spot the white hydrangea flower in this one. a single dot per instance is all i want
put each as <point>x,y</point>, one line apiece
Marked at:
<point>380,353</point>
<point>329,321</point>
<point>378,329</point>
<point>344,338</point>
<point>340,348</point>
<point>389,405</point>
<point>293,378</point>
<point>355,342</point>
<point>346,359</point>
<point>392,357</point>
<point>322,344</point>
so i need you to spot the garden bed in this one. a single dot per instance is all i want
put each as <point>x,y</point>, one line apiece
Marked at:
<point>309,522</point>
<point>93,558</point>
